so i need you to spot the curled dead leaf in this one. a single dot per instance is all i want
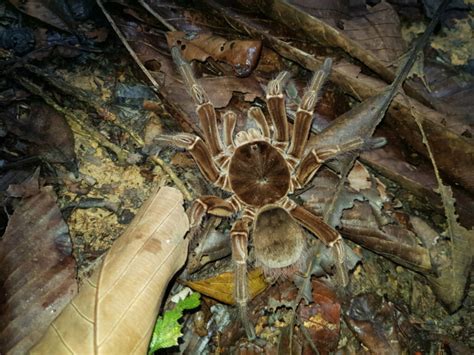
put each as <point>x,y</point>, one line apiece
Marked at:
<point>117,306</point>
<point>241,54</point>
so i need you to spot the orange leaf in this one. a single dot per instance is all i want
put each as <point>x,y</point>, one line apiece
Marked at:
<point>221,287</point>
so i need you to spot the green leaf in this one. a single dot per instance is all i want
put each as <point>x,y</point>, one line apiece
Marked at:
<point>167,328</point>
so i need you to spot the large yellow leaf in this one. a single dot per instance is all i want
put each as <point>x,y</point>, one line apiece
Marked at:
<point>221,287</point>
<point>116,308</point>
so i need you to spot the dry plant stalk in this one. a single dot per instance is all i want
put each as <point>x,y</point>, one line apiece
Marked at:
<point>116,308</point>
<point>451,284</point>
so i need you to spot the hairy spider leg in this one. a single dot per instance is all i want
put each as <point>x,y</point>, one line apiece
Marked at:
<point>257,115</point>
<point>199,151</point>
<point>239,236</point>
<point>327,234</point>
<point>313,160</point>
<point>213,205</point>
<point>204,108</point>
<point>276,107</point>
<point>230,120</point>
<point>304,113</point>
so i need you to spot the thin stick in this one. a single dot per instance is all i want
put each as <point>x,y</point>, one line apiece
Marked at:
<point>157,16</point>
<point>176,180</point>
<point>130,50</point>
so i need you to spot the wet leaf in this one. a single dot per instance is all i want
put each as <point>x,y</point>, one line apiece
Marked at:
<point>37,276</point>
<point>117,306</point>
<point>242,55</point>
<point>221,287</point>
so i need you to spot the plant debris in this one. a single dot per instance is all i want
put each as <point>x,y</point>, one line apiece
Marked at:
<point>88,89</point>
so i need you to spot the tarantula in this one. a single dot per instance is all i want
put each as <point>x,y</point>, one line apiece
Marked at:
<point>260,168</point>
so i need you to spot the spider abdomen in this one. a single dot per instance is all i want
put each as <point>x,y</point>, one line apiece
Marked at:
<point>278,239</point>
<point>259,174</point>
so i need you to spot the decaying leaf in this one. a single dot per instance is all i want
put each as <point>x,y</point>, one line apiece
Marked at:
<point>374,321</point>
<point>214,245</point>
<point>450,285</point>
<point>37,273</point>
<point>322,317</point>
<point>241,54</point>
<point>320,196</point>
<point>377,30</point>
<point>416,177</point>
<point>45,129</point>
<point>220,89</point>
<point>221,287</point>
<point>117,306</point>
<point>359,178</point>
<point>365,222</point>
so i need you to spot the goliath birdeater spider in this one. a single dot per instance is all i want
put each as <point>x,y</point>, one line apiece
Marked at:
<point>260,168</point>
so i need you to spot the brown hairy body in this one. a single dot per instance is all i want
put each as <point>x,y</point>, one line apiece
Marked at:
<point>260,168</point>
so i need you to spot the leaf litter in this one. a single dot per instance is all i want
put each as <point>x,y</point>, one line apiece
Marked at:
<point>102,177</point>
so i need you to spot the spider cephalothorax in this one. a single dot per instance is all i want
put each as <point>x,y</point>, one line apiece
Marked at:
<point>260,168</point>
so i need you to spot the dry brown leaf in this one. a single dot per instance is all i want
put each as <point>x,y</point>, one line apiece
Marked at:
<point>322,317</point>
<point>220,89</point>
<point>241,54</point>
<point>378,31</point>
<point>37,274</point>
<point>375,322</point>
<point>221,287</point>
<point>45,129</point>
<point>359,177</point>
<point>451,283</point>
<point>116,308</point>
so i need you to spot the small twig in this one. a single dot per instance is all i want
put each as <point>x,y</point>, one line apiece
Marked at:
<point>130,50</point>
<point>307,336</point>
<point>176,180</point>
<point>157,16</point>
<point>299,298</point>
